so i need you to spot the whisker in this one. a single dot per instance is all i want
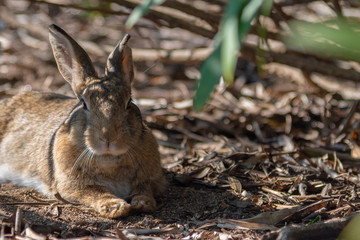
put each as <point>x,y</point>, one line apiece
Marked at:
<point>151,66</point>
<point>93,158</point>
<point>88,160</point>
<point>78,161</point>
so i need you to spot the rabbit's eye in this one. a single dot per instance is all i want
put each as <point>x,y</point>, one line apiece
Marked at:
<point>83,103</point>
<point>129,103</point>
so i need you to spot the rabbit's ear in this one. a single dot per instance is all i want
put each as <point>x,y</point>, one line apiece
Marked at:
<point>119,63</point>
<point>72,61</point>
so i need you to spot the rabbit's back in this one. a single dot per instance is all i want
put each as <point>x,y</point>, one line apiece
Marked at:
<point>28,122</point>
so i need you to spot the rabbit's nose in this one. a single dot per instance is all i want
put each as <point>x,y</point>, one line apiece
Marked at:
<point>106,144</point>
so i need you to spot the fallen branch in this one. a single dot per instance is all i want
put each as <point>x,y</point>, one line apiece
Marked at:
<point>319,152</point>
<point>172,19</point>
<point>322,230</point>
<point>79,7</point>
<point>171,56</point>
<point>190,9</point>
<point>304,62</point>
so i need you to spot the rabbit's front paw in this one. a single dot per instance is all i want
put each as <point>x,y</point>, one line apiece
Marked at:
<point>143,203</point>
<point>113,208</point>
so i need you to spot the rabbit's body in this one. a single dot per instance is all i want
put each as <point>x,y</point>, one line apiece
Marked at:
<point>24,146</point>
<point>94,149</point>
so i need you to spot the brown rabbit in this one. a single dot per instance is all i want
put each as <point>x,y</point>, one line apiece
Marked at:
<point>94,149</point>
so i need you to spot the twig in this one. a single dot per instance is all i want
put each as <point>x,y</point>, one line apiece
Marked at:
<point>346,122</point>
<point>285,3</point>
<point>210,18</point>
<point>191,135</point>
<point>74,6</point>
<point>307,63</point>
<point>171,19</point>
<point>41,200</point>
<point>151,231</point>
<point>31,234</point>
<point>25,203</point>
<point>60,198</point>
<point>172,56</point>
<point>305,211</point>
<point>319,152</point>
<point>18,220</point>
<point>335,6</point>
<point>274,192</point>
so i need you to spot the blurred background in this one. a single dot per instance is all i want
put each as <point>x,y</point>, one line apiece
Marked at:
<point>26,59</point>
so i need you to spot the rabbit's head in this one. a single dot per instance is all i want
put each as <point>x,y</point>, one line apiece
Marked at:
<point>111,122</point>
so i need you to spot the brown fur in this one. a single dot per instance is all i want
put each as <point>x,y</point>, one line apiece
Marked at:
<point>94,149</point>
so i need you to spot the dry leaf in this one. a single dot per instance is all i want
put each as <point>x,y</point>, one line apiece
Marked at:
<point>236,224</point>
<point>272,218</point>
<point>235,185</point>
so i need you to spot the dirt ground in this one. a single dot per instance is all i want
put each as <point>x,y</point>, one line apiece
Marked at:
<point>272,156</point>
<point>181,211</point>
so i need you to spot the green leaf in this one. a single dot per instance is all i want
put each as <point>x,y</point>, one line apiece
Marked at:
<point>337,39</point>
<point>236,25</point>
<point>266,8</point>
<point>351,230</point>
<point>262,34</point>
<point>250,12</point>
<point>222,62</point>
<point>315,220</point>
<point>140,11</point>
<point>230,44</point>
<point>210,75</point>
